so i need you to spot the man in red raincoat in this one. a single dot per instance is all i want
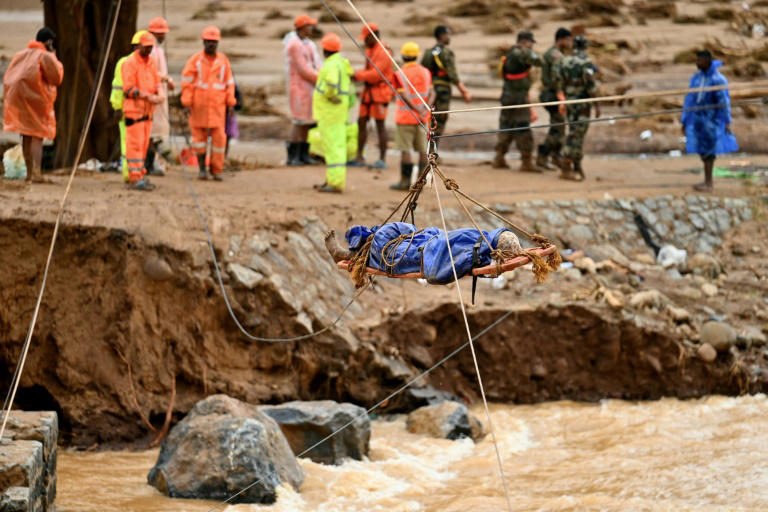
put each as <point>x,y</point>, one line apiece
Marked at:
<point>31,83</point>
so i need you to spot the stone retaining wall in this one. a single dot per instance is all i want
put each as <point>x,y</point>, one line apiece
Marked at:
<point>693,222</point>
<point>28,462</point>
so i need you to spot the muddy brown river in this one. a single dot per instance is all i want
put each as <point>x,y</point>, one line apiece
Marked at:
<point>702,455</point>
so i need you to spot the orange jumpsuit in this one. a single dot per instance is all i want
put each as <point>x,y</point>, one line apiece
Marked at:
<point>376,93</point>
<point>139,74</point>
<point>30,91</point>
<point>208,88</point>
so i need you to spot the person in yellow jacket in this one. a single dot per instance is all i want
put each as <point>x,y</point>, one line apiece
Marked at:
<point>116,100</point>
<point>331,101</point>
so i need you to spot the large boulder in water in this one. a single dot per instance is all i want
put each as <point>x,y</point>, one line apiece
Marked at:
<point>221,447</point>
<point>447,420</point>
<point>307,423</point>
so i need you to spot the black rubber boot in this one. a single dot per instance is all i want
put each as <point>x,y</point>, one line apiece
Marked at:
<point>149,160</point>
<point>293,154</point>
<point>304,154</point>
<point>201,162</point>
<point>405,178</point>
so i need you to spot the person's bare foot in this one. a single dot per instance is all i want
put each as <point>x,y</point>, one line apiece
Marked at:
<point>703,187</point>
<point>508,241</point>
<point>337,253</point>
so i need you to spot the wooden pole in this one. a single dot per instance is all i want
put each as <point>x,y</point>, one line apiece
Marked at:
<point>80,27</point>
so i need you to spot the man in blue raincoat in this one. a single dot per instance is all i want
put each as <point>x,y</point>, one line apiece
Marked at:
<point>707,117</point>
<point>401,248</point>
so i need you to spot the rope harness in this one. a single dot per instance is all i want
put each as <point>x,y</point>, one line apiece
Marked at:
<point>358,264</point>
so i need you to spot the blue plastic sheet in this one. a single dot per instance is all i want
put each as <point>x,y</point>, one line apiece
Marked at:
<point>425,252</point>
<point>705,128</point>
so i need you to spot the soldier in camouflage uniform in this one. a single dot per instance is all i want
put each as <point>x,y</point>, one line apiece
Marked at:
<point>552,90</point>
<point>578,75</point>
<point>440,61</point>
<point>515,70</point>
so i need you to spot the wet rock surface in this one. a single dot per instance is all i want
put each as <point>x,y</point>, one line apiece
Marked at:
<point>28,457</point>
<point>447,420</point>
<point>221,447</point>
<point>305,424</point>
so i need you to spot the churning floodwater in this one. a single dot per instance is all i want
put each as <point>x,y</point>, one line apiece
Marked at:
<point>702,455</point>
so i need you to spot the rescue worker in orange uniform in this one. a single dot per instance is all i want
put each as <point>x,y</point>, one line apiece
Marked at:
<point>161,125</point>
<point>141,86</point>
<point>207,94</point>
<point>30,91</point>
<point>414,87</point>
<point>377,93</point>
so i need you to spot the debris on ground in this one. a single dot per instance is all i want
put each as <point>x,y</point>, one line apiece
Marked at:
<point>584,7</point>
<point>655,9</point>
<point>208,11</point>
<point>14,166</point>
<point>275,14</point>
<point>496,9</point>
<point>235,31</point>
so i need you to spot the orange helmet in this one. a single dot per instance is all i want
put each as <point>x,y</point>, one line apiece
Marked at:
<point>211,33</point>
<point>158,25</point>
<point>302,20</point>
<point>147,39</point>
<point>330,42</point>
<point>365,31</point>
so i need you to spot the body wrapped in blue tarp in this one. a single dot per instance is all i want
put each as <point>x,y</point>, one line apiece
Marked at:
<point>705,131</point>
<point>426,252</point>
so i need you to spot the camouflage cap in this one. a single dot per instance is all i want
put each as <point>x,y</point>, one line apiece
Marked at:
<point>526,35</point>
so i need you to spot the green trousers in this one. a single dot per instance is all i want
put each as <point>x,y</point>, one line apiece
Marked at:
<point>334,137</point>
<point>123,158</point>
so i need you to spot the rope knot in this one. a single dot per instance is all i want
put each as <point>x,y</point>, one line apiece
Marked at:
<point>418,186</point>
<point>451,184</point>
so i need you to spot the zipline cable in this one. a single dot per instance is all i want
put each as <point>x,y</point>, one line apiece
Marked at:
<point>389,397</point>
<point>616,97</point>
<point>370,61</point>
<point>607,118</point>
<point>472,346</point>
<point>209,238</point>
<point>386,51</point>
<point>92,107</point>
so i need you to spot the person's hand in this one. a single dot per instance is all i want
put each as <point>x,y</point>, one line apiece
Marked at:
<point>728,128</point>
<point>154,98</point>
<point>561,108</point>
<point>230,111</point>
<point>335,100</point>
<point>169,82</point>
<point>464,93</point>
